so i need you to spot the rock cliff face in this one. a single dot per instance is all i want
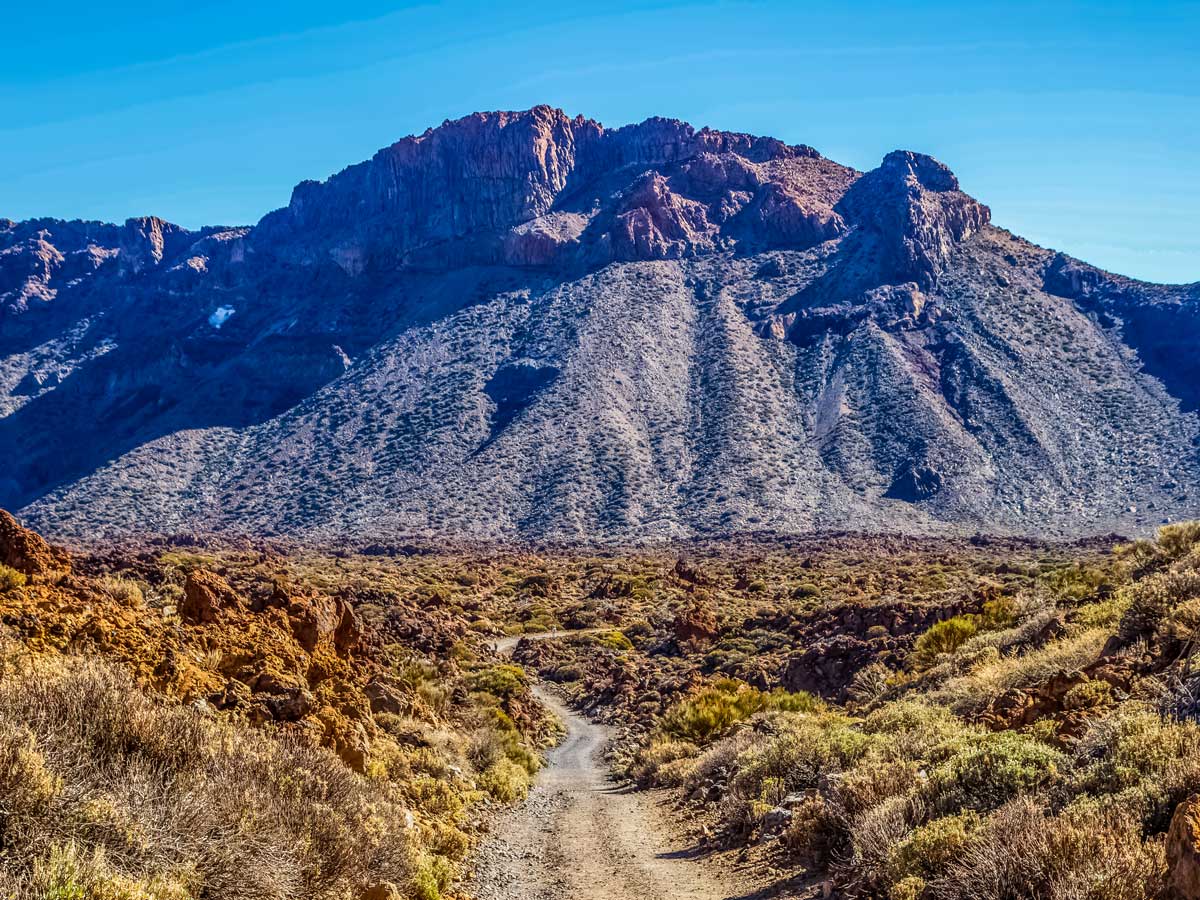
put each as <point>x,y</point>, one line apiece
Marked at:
<point>521,188</point>
<point>523,324</point>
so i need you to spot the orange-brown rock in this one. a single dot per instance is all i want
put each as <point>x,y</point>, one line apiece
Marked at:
<point>695,622</point>
<point>27,552</point>
<point>1183,850</point>
<point>318,621</point>
<point>205,595</point>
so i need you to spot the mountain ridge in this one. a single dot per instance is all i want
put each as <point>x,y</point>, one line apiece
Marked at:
<point>525,325</point>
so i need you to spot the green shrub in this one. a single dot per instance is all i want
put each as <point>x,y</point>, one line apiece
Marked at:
<point>504,681</point>
<point>707,715</point>
<point>10,579</point>
<point>989,770</point>
<point>912,730</point>
<point>613,640</point>
<point>931,848</point>
<point>506,781</point>
<point>944,637</point>
<point>432,875</point>
<point>1088,695</point>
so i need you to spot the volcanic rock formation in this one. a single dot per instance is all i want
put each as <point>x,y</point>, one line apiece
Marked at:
<point>522,324</point>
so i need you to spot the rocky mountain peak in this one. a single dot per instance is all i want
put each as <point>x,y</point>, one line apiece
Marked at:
<point>528,324</point>
<point>913,207</point>
<point>145,241</point>
<point>476,189</point>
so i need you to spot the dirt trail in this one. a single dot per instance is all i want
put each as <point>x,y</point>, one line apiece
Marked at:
<point>580,836</point>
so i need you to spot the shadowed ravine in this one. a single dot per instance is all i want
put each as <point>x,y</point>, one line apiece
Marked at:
<point>584,837</point>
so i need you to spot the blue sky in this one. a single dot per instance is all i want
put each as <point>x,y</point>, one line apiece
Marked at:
<point>1078,123</point>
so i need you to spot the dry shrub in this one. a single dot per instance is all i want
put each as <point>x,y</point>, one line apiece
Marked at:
<point>816,833</point>
<point>122,591</point>
<point>1086,853</point>
<point>1153,598</point>
<point>869,684</point>
<point>970,694</point>
<point>110,793</point>
<point>664,762</point>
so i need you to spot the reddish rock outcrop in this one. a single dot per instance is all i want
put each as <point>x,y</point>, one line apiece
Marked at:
<point>147,241</point>
<point>205,596</point>
<point>695,623</point>
<point>501,185</point>
<point>28,552</point>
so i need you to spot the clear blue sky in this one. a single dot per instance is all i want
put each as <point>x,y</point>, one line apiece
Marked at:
<point>1079,123</point>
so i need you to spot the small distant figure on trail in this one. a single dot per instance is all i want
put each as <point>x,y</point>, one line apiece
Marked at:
<point>553,631</point>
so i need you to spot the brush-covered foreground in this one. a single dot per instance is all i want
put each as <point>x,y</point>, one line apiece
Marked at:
<point>1040,742</point>
<point>179,725</point>
<point>856,717</point>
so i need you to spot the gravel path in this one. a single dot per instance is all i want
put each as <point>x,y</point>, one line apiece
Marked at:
<point>580,836</point>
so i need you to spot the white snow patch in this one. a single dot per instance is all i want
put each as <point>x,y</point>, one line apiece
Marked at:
<point>220,316</point>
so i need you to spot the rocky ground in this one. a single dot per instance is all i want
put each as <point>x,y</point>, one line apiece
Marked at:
<point>837,716</point>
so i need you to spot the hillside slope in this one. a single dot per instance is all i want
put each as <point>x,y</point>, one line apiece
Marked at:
<point>527,325</point>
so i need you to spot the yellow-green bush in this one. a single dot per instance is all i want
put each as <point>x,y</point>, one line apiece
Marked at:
<point>660,754</point>
<point>710,713</point>
<point>987,771</point>
<point>10,579</point>
<point>929,849</point>
<point>613,640</point>
<point>944,637</point>
<point>503,681</point>
<point>505,780</point>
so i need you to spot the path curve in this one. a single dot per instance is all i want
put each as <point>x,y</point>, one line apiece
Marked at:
<point>580,836</point>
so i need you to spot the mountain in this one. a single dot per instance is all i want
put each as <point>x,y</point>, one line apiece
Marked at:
<point>526,325</point>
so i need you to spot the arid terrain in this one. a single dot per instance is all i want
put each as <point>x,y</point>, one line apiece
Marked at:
<point>849,716</point>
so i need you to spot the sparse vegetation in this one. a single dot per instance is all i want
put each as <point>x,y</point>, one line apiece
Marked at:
<point>899,720</point>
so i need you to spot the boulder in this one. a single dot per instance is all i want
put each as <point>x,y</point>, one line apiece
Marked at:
<point>205,595</point>
<point>1183,850</point>
<point>318,620</point>
<point>695,623</point>
<point>27,551</point>
<point>386,697</point>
